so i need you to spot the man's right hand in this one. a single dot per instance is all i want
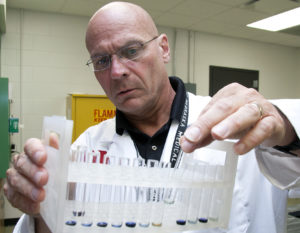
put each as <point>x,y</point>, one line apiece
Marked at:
<point>26,178</point>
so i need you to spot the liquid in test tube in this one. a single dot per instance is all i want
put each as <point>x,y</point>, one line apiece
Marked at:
<point>196,193</point>
<point>156,196</point>
<point>210,174</point>
<point>217,197</point>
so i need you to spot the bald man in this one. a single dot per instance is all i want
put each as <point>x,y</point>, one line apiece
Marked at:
<point>128,57</point>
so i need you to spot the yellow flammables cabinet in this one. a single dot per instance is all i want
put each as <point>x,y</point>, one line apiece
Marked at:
<point>88,110</point>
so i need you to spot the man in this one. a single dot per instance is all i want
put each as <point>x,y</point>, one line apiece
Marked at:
<point>128,57</point>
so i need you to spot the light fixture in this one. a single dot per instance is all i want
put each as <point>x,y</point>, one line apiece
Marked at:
<point>279,22</point>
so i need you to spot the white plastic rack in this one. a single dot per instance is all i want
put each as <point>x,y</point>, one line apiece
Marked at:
<point>89,192</point>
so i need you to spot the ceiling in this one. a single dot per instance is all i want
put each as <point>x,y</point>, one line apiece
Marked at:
<point>222,17</point>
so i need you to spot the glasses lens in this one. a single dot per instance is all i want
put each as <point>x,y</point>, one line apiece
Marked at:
<point>101,63</point>
<point>131,52</point>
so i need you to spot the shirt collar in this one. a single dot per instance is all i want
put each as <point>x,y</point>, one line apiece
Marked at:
<point>176,111</point>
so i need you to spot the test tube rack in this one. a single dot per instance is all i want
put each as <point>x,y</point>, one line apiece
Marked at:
<point>89,192</point>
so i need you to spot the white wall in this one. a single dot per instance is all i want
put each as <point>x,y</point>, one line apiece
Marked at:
<point>278,65</point>
<point>298,65</point>
<point>44,55</point>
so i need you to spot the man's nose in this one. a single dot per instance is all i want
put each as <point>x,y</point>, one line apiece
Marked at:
<point>118,67</point>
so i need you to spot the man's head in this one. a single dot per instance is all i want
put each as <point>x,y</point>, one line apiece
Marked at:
<point>133,83</point>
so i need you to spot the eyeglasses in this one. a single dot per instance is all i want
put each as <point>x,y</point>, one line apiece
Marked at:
<point>127,53</point>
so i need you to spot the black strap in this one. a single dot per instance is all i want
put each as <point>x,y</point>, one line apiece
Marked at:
<point>295,145</point>
<point>176,149</point>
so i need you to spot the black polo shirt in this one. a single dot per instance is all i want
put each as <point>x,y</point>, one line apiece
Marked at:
<point>152,147</point>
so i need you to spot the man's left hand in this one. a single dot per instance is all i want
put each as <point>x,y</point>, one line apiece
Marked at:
<point>237,112</point>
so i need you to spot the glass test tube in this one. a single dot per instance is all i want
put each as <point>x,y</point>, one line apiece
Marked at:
<point>156,196</point>
<point>183,194</point>
<point>70,197</point>
<point>77,156</point>
<point>144,203</point>
<point>102,214</point>
<point>131,206</point>
<point>182,200</point>
<point>104,205</point>
<point>207,194</point>
<point>194,204</point>
<point>88,195</point>
<point>71,221</point>
<point>130,198</point>
<point>92,195</point>
<point>170,193</point>
<point>117,197</point>
<point>217,197</point>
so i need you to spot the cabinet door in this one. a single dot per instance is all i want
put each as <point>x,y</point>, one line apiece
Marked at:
<point>4,124</point>
<point>88,110</point>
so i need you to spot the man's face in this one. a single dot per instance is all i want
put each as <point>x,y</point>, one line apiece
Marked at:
<point>133,86</point>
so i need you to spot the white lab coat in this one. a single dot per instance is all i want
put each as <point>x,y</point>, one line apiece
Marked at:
<point>257,205</point>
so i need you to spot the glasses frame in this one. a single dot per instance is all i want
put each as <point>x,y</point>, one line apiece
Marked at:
<point>90,61</point>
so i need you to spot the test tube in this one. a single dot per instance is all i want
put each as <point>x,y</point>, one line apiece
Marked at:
<point>88,194</point>
<point>196,192</point>
<point>183,194</point>
<point>182,201</point>
<point>157,206</point>
<point>130,205</point>
<point>170,193</point>
<point>70,197</point>
<point>117,198</point>
<point>194,203</point>
<point>102,216</point>
<point>144,202</point>
<point>117,207</point>
<point>104,205</point>
<point>207,194</point>
<point>78,188</point>
<point>156,196</point>
<point>217,197</point>
<point>71,221</point>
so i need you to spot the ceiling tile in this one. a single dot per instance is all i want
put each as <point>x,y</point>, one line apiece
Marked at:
<point>158,5</point>
<point>175,20</point>
<point>155,14</point>
<point>199,9</point>
<point>50,6</point>
<point>225,17</point>
<point>242,32</point>
<point>237,16</point>
<point>272,7</point>
<point>211,26</point>
<point>81,7</point>
<point>230,2</point>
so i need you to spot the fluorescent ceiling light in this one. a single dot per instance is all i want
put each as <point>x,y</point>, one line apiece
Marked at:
<point>278,22</point>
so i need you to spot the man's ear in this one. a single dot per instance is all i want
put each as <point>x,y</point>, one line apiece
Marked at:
<point>164,47</point>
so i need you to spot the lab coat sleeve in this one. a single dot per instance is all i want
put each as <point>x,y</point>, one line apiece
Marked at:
<point>282,169</point>
<point>25,225</point>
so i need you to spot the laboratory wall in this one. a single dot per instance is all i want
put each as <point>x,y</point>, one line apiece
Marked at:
<point>298,73</point>
<point>44,56</point>
<point>194,52</point>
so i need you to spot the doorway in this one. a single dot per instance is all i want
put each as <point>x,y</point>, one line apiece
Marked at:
<point>222,76</point>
